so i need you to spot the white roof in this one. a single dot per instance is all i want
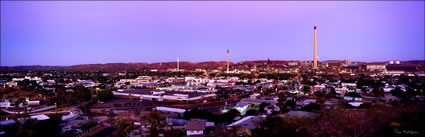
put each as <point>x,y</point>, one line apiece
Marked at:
<point>209,124</point>
<point>255,94</point>
<point>69,116</point>
<point>355,104</point>
<point>40,117</point>
<point>240,121</point>
<point>7,122</point>
<point>168,109</point>
<point>250,122</point>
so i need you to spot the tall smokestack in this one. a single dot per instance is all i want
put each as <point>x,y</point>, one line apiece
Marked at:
<point>178,62</point>
<point>227,71</point>
<point>315,48</point>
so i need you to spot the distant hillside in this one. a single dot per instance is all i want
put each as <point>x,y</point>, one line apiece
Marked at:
<point>415,62</point>
<point>263,62</point>
<point>112,67</point>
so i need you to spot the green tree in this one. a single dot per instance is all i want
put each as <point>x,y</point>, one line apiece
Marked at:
<point>105,95</point>
<point>291,103</point>
<point>263,106</point>
<point>198,113</point>
<point>281,102</point>
<point>251,112</point>
<point>332,93</point>
<point>44,128</point>
<point>81,93</point>
<point>28,128</point>
<point>306,89</point>
<point>397,92</point>
<point>353,94</point>
<point>88,125</point>
<point>124,126</point>
<point>50,127</point>
<point>229,115</point>
<point>174,133</point>
<point>311,107</point>
<point>278,127</point>
<point>377,90</point>
<point>156,121</point>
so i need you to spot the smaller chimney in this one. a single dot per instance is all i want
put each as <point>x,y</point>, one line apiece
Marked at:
<point>178,63</point>
<point>227,70</point>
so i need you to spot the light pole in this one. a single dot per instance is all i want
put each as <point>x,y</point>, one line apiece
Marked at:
<point>56,106</point>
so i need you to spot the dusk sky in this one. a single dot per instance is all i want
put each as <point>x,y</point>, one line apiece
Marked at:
<point>79,32</point>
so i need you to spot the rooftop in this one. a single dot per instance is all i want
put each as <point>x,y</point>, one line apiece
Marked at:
<point>150,91</point>
<point>196,125</point>
<point>249,122</point>
<point>168,109</point>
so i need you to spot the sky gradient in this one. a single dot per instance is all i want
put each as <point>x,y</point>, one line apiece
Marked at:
<point>78,32</point>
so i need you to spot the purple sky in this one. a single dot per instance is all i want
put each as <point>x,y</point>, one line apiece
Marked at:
<point>68,32</point>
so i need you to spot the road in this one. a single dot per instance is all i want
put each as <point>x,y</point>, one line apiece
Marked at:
<point>52,111</point>
<point>211,106</point>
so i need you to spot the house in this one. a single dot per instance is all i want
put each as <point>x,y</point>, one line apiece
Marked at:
<point>254,96</point>
<point>33,103</point>
<point>5,104</point>
<point>388,89</point>
<point>170,110</point>
<point>342,90</point>
<point>195,128</point>
<point>331,103</point>
<point>242,107</point>
<point>175,121</point>
<point>376,66</point>
<point>12,84</point>
<point>73,113</point>
<point>318,87</point>
<point>390,98</point>
<point>7,122</point>
<point>300,102</point>
<point>246,124</point>
<point>308,101</point>
<point>40,117</point>
<point>349,84</point>
<point>257,101</point>
<point>355,104</point>
<point>51,82</point>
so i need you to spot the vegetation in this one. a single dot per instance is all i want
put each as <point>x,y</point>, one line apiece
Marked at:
<point>306,89</point>
<point>88,125</point>
<point>353,94</point>
<point>105,95</point>
<point>204,114</point>
<point>124,126</point>
<point>277,127</point>
<point>34,128</point>
<point>400,121</point>
<point>281,102</point>
<point>311,107</point>
<point>156,123</point>
<point>77,95</point>
<point>251,112</point>
<point>262,107</point>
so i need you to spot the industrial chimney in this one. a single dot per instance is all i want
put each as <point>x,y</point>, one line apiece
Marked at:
<point>315,49</point>
<point>227,71</point>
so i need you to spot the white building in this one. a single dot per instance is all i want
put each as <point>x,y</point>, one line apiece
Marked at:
<point>195,127</point>
<point>349,84</point>
<point>172,110</point>
<point>5,104</point>
<point>376,67</point>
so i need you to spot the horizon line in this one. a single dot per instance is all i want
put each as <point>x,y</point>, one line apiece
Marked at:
<point>201,62</point>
